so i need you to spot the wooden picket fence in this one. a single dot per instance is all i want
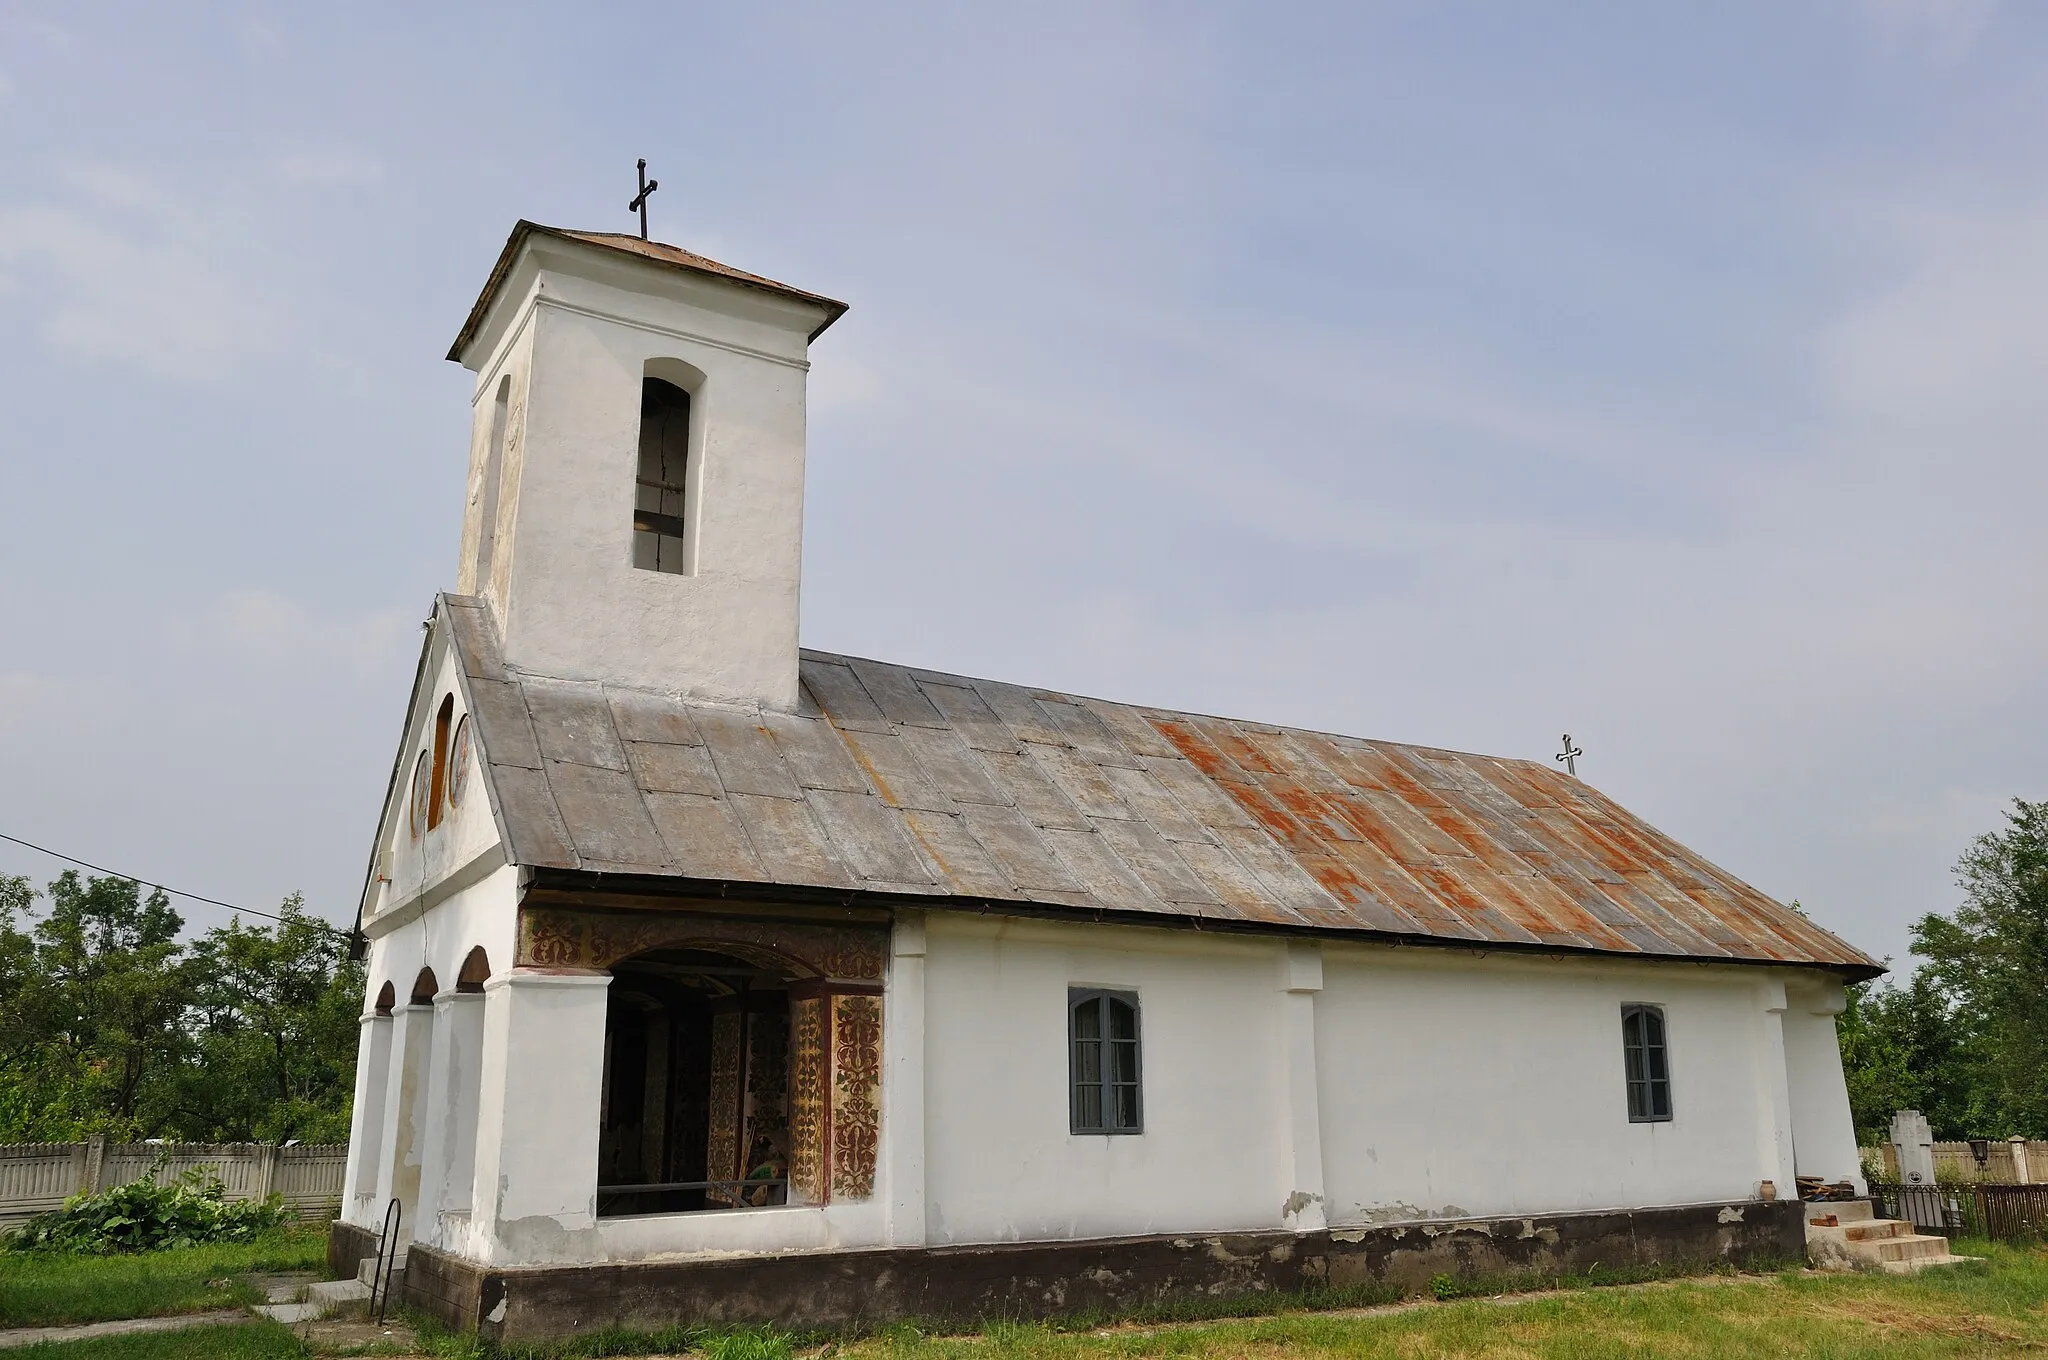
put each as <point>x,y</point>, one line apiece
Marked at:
<point>37,1177</point>
<point>1957,1162</point>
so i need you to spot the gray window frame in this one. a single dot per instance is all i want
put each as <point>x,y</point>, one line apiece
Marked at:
<point>1077,997</point>
<point>1643,1091</point>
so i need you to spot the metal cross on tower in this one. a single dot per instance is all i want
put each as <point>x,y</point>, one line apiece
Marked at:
<point>639,204</point>
<point>1569,757</point>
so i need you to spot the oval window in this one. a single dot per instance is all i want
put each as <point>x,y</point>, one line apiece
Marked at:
<point>422,794</point>
<point>458,762</point>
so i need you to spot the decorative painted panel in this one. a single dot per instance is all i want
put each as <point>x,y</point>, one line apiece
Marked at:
<point>721,1145</point>
<point>767,1140</point>
<point>567,937</point>
<point>856,1093</point>
<point>809,1114</point>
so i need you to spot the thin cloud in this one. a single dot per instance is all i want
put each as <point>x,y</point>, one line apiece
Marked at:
<point>131,278</point>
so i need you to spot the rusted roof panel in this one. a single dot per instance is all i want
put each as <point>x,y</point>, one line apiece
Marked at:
<point>914,783</point>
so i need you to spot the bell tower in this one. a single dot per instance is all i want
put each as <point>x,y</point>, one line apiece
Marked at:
<point>636,471</point>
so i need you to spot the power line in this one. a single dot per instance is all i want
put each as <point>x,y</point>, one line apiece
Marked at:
<point>313,921</point>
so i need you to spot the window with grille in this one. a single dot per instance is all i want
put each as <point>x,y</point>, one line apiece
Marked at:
<point>1103,1076</point>
<point>1647,1063</point>
<point>660,513</point>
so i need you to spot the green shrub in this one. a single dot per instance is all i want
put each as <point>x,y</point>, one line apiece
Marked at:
<point>149,1215</point>
<point>1443,1286</point>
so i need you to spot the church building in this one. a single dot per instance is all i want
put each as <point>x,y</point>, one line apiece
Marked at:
<point>714,979</point>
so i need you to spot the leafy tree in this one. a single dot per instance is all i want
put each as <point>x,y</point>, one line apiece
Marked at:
<point>108,1000</point>
<point>275,1024</point>
<point>110,1022</point>
<point>1904,1048</point>
<point>1991,957</point>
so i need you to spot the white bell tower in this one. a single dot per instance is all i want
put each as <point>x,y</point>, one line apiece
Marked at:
<point>636,482</point>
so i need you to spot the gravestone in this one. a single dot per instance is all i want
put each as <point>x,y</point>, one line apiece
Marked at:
<point>1914,1141</point>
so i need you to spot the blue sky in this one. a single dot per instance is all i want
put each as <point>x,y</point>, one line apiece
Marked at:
<point>1449,373</point>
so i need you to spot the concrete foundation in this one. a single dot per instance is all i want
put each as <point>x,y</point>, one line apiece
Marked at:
<point>835,1289</point>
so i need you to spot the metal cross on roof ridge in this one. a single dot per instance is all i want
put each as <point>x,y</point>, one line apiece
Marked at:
<point>1569,757</point>
<point>639,204</point>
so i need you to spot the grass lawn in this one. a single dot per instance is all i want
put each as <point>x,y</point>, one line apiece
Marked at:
<point>1999,1308</point>
<point>48,1291</point>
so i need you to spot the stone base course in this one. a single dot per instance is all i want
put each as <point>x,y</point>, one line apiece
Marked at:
<point>1031,1280</point>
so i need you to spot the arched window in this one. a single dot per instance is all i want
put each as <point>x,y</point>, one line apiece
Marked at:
<point>423,988</point>
<point>385,998</point>
<point>660,508</point>
<point>1103,1032</point>
<point>1646,1063</point>
<point>494,471</point>
<point>422,793</point>
<point>476,970</point>
<point>443,720</point>
<point>458,762</point>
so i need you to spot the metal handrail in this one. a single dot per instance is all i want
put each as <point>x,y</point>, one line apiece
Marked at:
<point>394,1213</point>
<point>690,1185</point>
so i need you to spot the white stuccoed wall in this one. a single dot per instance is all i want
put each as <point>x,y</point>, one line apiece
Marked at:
<point>1456,1086</point>
<point>414,874</point>
<point>1447,1085</point>
<point>577,328</point>
<point>1824,1130</point>
<point>391,1143</point>
<point>1000,1162</point>
<point>1286,1084</point>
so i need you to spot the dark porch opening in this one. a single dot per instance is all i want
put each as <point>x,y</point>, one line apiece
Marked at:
<point>696,1085</point>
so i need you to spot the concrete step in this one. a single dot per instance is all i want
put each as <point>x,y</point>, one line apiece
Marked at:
<point>1911,1248</point>
<point>1876,1229</point>
<point>1859,1244</point>
<point>321,1299</point>
<point>1844,1211</point>
<point>339,1298</point>
<point>1920,1263</point>
<point>366,1269</point>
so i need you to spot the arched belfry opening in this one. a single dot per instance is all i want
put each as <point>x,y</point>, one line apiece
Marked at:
<point>661,486</point>
<point>696,1083</point>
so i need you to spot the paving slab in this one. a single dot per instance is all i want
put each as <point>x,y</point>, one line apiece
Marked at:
<point>85,1331</point>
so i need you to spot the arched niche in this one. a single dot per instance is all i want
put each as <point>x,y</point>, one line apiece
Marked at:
<point>387,997</point>
<point>476,970</point>
<point>423,988</point>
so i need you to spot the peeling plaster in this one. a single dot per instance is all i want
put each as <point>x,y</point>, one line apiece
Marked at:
<point>1731,1214</point>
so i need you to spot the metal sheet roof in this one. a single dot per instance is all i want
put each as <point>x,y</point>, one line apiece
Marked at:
<point>914,783</point>
<point>660,252</point>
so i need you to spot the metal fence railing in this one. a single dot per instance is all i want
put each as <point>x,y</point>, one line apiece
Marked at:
<point>1937,1209</point>
<point>2008,1213</point>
